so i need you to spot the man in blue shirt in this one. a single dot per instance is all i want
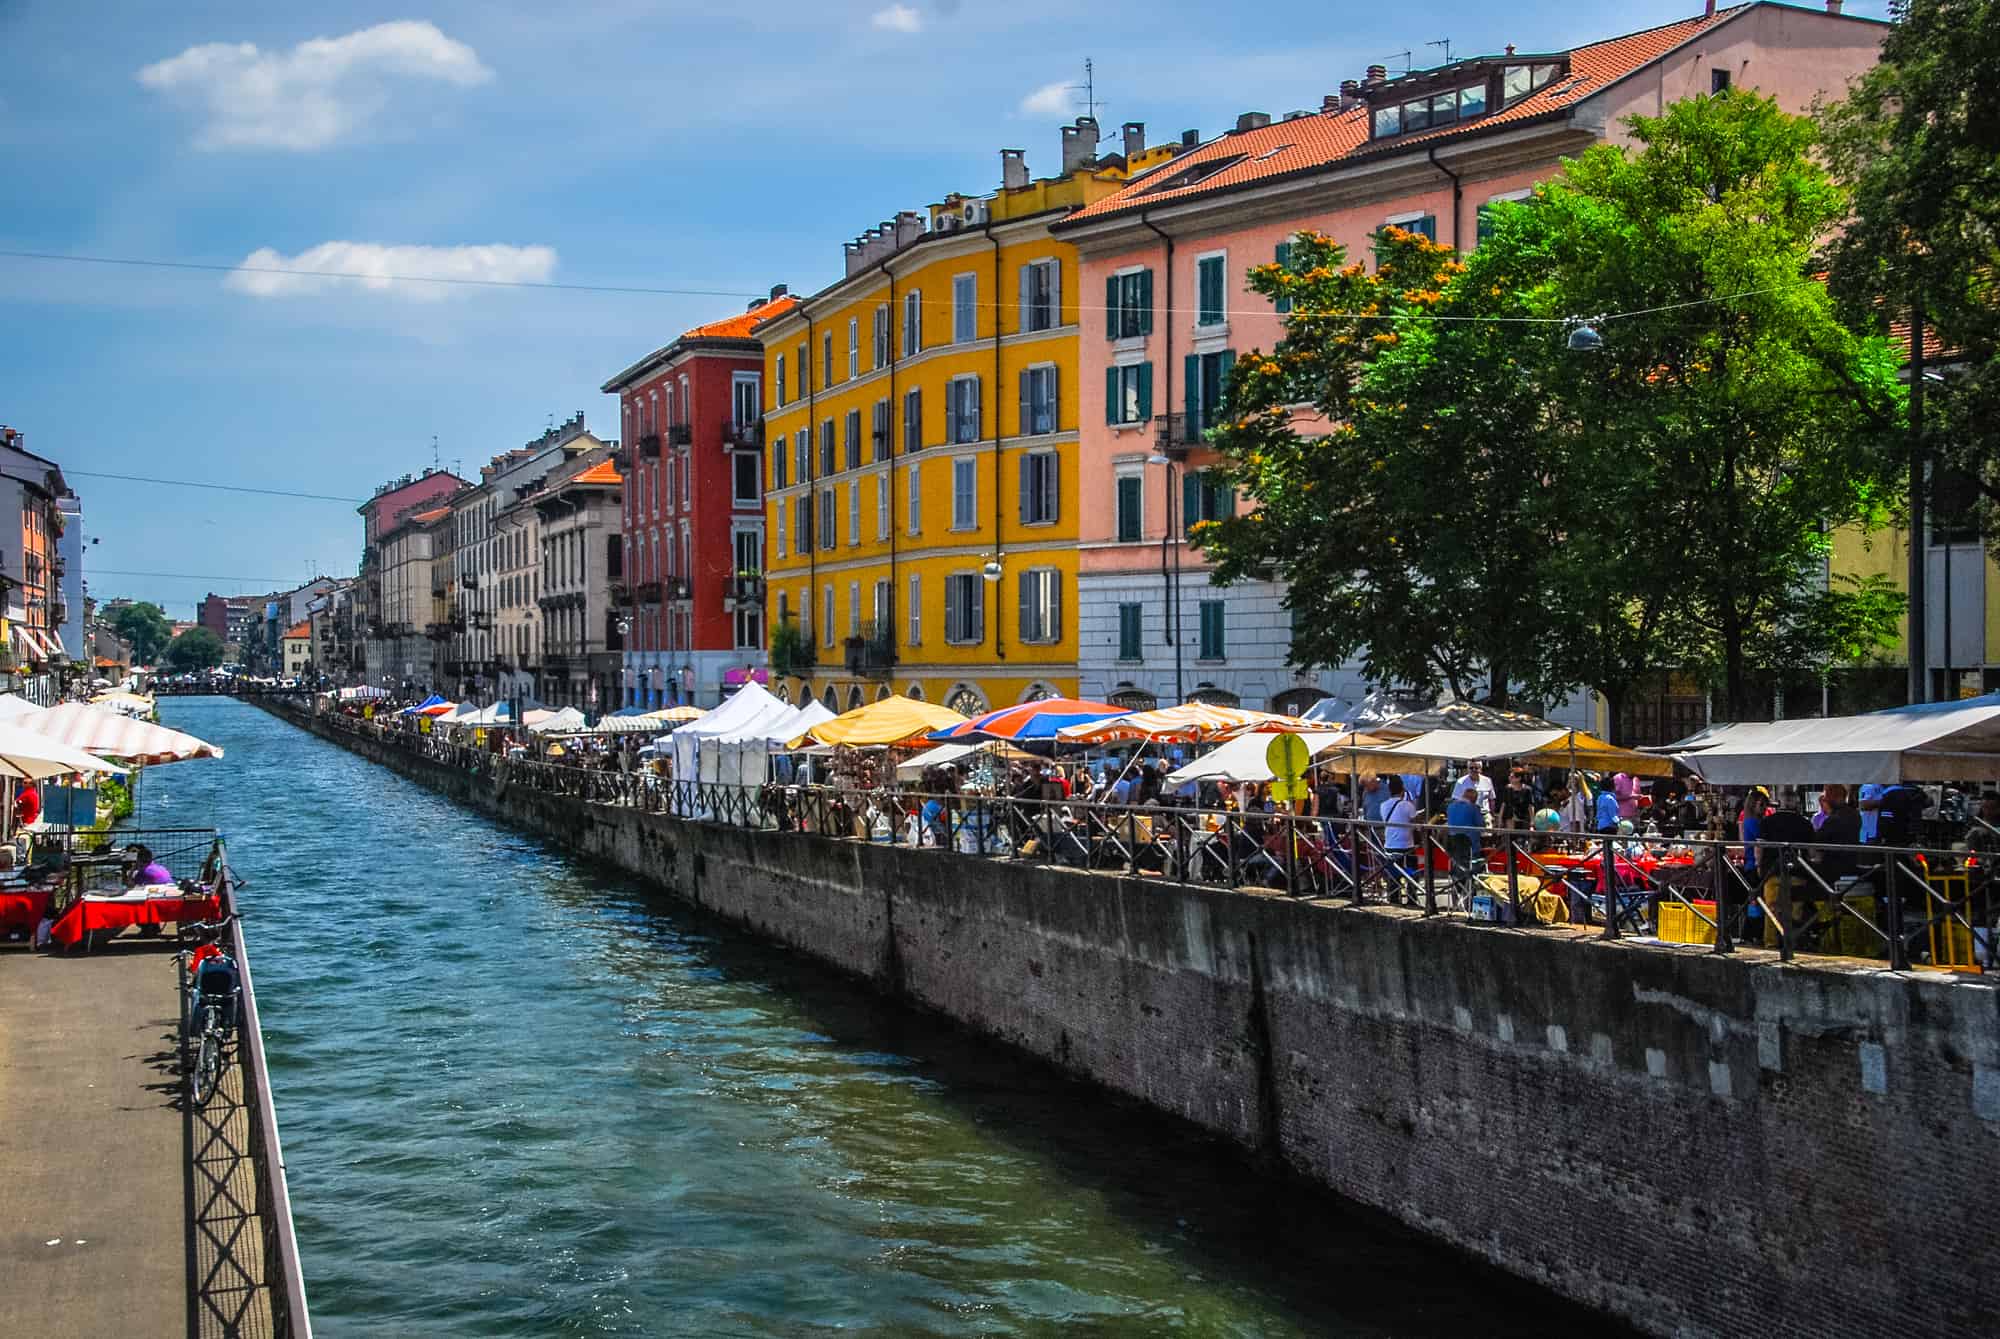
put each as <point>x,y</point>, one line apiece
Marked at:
<point>1870,805</point>
<point>1374,799</point>
<point>1464,822</point>
<point>1607,810</point>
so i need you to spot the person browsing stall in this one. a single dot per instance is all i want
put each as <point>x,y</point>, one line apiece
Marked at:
<point>1476,786</point>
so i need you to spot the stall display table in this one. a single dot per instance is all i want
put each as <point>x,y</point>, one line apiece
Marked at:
<point>22,909</point>
<point>162,904</point>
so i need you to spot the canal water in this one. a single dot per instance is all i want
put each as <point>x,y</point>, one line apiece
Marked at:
<point>521,1096</point>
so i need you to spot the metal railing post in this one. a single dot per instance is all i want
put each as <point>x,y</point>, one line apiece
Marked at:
<point>1610,887</point>
<point>1785,945</point>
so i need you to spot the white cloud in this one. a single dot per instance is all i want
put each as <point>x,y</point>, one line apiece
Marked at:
<point>1049,100</point>
<point>318,93</point>
<point>898,19</point>
<point>332,267</point>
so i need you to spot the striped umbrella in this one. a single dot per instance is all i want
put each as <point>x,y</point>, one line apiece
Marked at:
<point>1030,720</point>
<point>1188,723</point>
<point>109,734</point>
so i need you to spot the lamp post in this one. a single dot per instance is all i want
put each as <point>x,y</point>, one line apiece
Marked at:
<point>1171,578</point>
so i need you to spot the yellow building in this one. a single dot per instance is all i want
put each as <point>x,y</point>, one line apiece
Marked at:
<point>921,425</point>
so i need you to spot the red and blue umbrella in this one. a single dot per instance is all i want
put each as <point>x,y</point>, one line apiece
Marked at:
<point>1030,720</point>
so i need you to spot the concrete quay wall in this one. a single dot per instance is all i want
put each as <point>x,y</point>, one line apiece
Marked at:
<point>1699,1145</point>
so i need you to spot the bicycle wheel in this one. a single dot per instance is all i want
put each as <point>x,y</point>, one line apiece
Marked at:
<point>207,1066</point>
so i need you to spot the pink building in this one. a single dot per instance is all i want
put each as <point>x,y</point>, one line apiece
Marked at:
<point>1427,151</point>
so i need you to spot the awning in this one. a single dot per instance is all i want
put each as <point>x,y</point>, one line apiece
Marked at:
<point>1188,723</point>
<point>889,721</point>
<point>109,734</point>
<point>1551,746</point>
<point>1030,720</point>
<point>913,769</point>
<point>1246,757</point>
<point>1938,741</point>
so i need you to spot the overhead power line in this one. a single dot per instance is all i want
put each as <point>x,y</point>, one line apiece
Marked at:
<point>221,488</point>
<point>274,583</point>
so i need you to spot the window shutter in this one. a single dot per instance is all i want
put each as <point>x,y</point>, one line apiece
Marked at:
<point>1027,296</point>
<point>972,396</point>
<point>1145,302</point>
<point>1284,257</point>
<point>1025,602</point>
<point>1111,321</point>
<point>1190,499</point>
<point>1027,468</point>
<point>1226,361</point>
<point>1055,293</point>
<point>1111,396</point>
<point>1145,391</point>
<point>1027,404</point>
<point>1055,399</point>
<point>1051,489</point>
<point>1052,621</point>
<point>976,624</point>
<point>1191,393</point>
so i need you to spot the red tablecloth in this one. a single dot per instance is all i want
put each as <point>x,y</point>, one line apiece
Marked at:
<point>23,910</point>
<point>91,914</point>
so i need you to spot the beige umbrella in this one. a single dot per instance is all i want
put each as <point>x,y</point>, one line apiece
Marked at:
<point>113,734</point>
<point>25,755</point>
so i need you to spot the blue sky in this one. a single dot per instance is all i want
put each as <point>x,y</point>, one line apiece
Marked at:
<point>721,148</point>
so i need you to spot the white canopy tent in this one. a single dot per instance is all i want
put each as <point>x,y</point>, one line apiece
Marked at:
<point>1935,741</point>
<point>568,719</point>
<point>1244,758</point>
<point>751,704</point>
<point>14,707</point>
<point>744,758</point>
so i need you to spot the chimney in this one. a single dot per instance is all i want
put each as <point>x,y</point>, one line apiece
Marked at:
<point>1252,121</point>
<point>1190,139</point>
<point>1333,102</point>
<point>778,291</point>
<point>1013,169</point>
<point>909,227</point>
<point>1510,48</point>
<point>1833,6</point>
<point>755,303</point>
<point>1079,144</point>
<point>1350,92</point>
<point>1709,11</point>
<point>1377,73</point>
<point>1135,139</point>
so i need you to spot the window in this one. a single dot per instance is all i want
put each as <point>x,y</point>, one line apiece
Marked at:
<point>746,394</point>
<point>826,448</point>
<point>802,456</point>
<point>913,420</point>
<point>778,461</point>
<point>915,502</point>
<point>804,372</point>
<point>1131,507</point>
<point>781,533</point>
<point>853,347</point>
<point>916,609</point>
<point>1128,393</point>
<point>879,431</point>
<point>1041,605</point>
<point>1040,487</point>
<point>826,614</point>
<point>829,519</point>
<point>1205,498</point>
<point>854,608</point>
<point>964,308</point>
<point>964,608</point>
<point>1283,259</point>
<point>1041,295</point>
<point>1517,81</point>
<point>1423,224</point>
<point>826,360</point>
<point>747,490</point>
<point>1207,374</point>
<point>1128,304</point>
<point>1038,401</point>
<point>853,513</point>
<point>964,494</point>
<point>962,409</point>
<point>882,336</point>
<point>1718,81</point>
<point>852,428</point>
<point>1387,121</point>
<point>1211,630</point>
<point>1209,286</point>
<point>1486,224</point>
<point>879,612</point>
<point>913,322</point>
<point>882,505</point>
<point>1131,622</point>
<point>781,379</point>
<point>802,518</point>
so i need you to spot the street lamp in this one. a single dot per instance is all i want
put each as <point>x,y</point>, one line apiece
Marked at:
<point>1583,336</point>
<point>1171,580</point>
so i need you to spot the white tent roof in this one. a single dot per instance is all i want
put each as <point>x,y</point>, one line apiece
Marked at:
<point>1452,745</point>
<point>912,769</point>
<point>569,718</point>
<point>13,707</point>
<point>751,704</point>
<point>1243,758</point>
<point>1937,741</point>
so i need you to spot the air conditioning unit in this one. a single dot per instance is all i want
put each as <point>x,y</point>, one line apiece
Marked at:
<point>949,223</point>
<point>975,213</point>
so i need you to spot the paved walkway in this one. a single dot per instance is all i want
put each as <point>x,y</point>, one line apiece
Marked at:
<point>119,1214</point>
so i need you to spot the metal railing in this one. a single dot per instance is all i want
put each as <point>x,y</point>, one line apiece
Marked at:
<point>1903,905</point>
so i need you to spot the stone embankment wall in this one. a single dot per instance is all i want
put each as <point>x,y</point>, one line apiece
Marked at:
<point>1697,1144</point>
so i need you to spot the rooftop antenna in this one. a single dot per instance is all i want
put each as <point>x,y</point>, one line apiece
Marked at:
<point>1444,42</point>
<point>1405,55</point>
<point>434,451</point>
<point>1089,88</point>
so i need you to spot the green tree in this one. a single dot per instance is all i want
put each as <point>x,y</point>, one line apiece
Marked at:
<point>195,649</point>
<point>145,626</point>
<point>1917,141</point>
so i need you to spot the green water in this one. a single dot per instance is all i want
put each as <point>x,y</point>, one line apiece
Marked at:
<point>524,1097</point>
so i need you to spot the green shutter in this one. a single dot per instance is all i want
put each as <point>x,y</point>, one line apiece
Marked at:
<point>1111,395</point>
<point>1111,307</point>
<point>1285,259</point>
<point>1190,499</point>
<point>1191,397</point>
<point>1145,302</point>
<point>1145,391</point>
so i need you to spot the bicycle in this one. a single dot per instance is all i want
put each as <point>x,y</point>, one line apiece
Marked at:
<point>211,992</point>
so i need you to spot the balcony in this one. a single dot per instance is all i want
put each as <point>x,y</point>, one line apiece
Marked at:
<point>871,654</point>
<point>679,434</point>
<point>743,587</point>
<point>649,446</point>
<point>748,435</point>
<point>677,589</point>
<point>621,595</point>
<point>648,593</point>
<point>621,459</point>
<point>1176,433</point>
<point>555,660</point>
<point>470,581</point>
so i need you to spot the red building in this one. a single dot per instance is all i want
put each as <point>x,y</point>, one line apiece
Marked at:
<point>213,614</point>
<point>692,455</point>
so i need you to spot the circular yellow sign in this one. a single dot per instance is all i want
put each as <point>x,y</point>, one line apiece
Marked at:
<point>1287,755</point>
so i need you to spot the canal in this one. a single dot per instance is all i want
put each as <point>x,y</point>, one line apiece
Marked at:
<point>521,1096</point>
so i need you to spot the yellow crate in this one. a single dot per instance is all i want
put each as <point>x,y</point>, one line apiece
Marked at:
<point>1679,924</point>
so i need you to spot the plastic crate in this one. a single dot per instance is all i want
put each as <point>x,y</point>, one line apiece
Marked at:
<point>1680,925</point>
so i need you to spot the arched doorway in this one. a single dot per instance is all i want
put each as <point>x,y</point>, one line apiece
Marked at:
<point>882,692</point>
<point>1213,696</point>
<point>1294,701</point>
<point>915,692</point>
<point>966,700</point>
<point>1038,691</point>
<point>1132,698</point>
<point>853,698</point>
<point>805,695</point>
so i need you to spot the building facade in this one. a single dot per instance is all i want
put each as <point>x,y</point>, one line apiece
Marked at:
<point>392,503</point>
<point>578,510</point>
<point>1429,152</point>
<point>692,458</point>
<point>32,568</point>
<point>921,434</point>
<point>213,613</point>
<point>297,645</point>
<point>412,598</point>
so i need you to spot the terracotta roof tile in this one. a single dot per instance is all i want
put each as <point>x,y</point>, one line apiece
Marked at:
<point>299,632</point>
<point>434,514</point>
<point>603,472</point>
<point>738,326</point>
<point>1326,138</point>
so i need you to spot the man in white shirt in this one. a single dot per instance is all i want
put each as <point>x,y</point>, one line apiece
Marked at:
<point>1478,787</point>
<point>1399,838</point>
